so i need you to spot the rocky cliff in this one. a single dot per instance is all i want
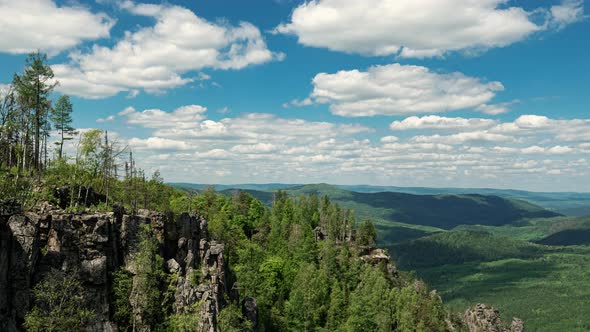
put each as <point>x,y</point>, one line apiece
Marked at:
<point>94,245</point>
<point>483,318</point>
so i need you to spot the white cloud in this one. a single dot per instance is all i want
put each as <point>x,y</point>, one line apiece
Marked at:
<point>400,90</point>
<point>257,127</point>
<point>254,148</point>
<point>27,26</point>
<point>299,103</point>
<point>532,121</point>
<point>126,111</point>
<point>419,28</point>
<point>533,149</point>
<point>109,118</point>
<point>560,149</point>
<point>461,138</point>
<point>566,13</point>
<point>443,123</point>
<point>224,110</point>
<point>182,117</point>
<point>389,139</point>
<point>161,57</point>
<point>157,143</point>
<point>493,109</point>
<point>270,148</point>
<point>563,130</point>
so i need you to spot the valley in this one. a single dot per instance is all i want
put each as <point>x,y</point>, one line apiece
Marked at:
<point>506,249</point>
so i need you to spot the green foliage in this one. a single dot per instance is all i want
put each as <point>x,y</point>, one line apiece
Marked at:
<point>301,285</point>
<point>121,289</point>
<point>441,211</point>
<point>547,290</point>
<point>414,308</point>
<point>366,234</point>
<point>308,299</point>
<point>15,186</point>
<point>231,320</point>
<point>60,305</point>
<point>337,308</point>
<point>32,89</point>
<point>196,277</point>
<point>184,321</point>
<point>149,276</point>
<point>459,247</point>
<point>369,303</point>
<point>61,115</point>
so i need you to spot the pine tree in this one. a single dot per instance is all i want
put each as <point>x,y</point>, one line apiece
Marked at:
<point>61,115</point>
<point>337,310</point>
<point>34,87</point>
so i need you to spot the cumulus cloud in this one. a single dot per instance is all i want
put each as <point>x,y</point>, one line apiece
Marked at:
<point>157,143</point>
<point>461,138</point>
<point>563,130</point>
<point>162,56</point>
<point>109,118</point>
<point>400,90</point>
<point>254,148</point>
<point>182,117</point>
<point>560,149</point>
<point>27,26</point>
<point>566,13</point>
<point>454,151</point>
<point>389,139</point>
<point>442,123</point>
<point>420,28</point>
<point>257,127</point>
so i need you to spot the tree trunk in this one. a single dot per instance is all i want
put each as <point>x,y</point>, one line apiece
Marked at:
<point>36,159</point>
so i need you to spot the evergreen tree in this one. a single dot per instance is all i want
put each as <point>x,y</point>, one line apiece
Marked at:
<point>149,273</point>
<point>366,234</point>
<point>33,88</point>
<point>368,303</point>
<point>337,310</point>
<point>61,115</point>
<point>308,300</point>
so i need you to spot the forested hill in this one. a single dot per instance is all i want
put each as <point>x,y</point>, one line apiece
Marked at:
<point>568,203</point>
<point>442,211</point>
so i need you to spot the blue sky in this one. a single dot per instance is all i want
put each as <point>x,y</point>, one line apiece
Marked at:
<point>412,93</point>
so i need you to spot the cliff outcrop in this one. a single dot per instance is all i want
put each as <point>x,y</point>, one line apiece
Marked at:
<point>95,245</point>
<point>483,318</point>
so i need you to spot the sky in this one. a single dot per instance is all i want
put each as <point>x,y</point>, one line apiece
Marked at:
<point>438,93</point>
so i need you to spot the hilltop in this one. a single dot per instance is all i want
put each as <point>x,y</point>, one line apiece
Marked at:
<point>567,203</point>
<point>414,212</point>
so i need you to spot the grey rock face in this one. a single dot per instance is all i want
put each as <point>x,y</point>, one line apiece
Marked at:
<point>483,318</point>
<point>93,246</point>
<point>250,311</point>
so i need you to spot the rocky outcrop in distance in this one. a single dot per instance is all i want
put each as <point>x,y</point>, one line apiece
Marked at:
<point>484,318</point>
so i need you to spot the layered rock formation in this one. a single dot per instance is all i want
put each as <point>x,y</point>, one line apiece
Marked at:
<point>94,245</point>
